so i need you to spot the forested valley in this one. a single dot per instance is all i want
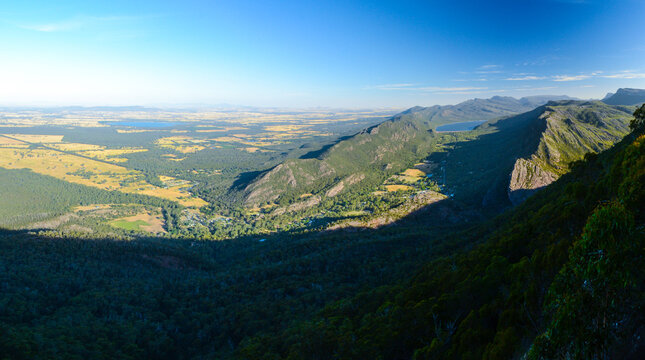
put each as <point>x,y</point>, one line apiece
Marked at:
<point>446,278</point>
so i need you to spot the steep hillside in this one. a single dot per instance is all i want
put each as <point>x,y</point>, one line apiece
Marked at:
<point>375,152</point>
<point>626,97</point>
<point>560,276</point>
<point>507,160</point>
<point>571,129</point>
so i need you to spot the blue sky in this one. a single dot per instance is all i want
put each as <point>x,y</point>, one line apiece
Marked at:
<point>315,53</point>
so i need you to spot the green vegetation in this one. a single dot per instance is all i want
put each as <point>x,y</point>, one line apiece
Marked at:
<point>448,278</point>
<point>130,225</point>
<point>492,301</point>
<point>370,156</point>
<point>27,198</point>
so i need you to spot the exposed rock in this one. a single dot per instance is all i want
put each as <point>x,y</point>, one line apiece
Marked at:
<point>348,181</point>
<point>311,201</point>
<point>336,189</point>
<point>295,207</point>
<point>527,177</point>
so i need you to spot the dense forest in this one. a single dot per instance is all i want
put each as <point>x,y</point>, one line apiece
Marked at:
<point>519,284</point>
<point>558,277</point>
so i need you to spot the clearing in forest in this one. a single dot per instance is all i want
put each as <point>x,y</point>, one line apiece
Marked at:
<point>79,170</point>
<point>140,222</point>
<point>42,139</point>
<point>182,144</point>
<point>392,188</point>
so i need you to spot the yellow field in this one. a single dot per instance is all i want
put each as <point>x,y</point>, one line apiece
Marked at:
<point>281,128</point>
<point>111,154</point>
<point>172,157</point>
<point>15,146</point>
<point>8,141</point>
<point>414,173</point>
<point>155,222</point>
<point>97,151</point>
<point>222,129</point>
<point>183,144</point>
<point>43,139</point>
<point>235,139</point>
<point>88,172</point>
<point>392,188</point>
<point>92,207</point>
<point>184,149</point>
<point>253,149</point>
<point>76,147</point>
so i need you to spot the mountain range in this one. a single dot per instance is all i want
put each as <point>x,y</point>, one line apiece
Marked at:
<point>498,164</point>
<point>626,96</point>
<point>551,268</point>
<point>377,151</point>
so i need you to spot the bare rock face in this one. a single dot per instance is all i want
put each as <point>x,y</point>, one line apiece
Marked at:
<point>338,188</point>
<point>312,201</point>
<point>527,177</point>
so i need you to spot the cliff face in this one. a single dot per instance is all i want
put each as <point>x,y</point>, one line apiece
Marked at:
<point>385,148</point>
<point>527,177</point>
<point>571,130</point>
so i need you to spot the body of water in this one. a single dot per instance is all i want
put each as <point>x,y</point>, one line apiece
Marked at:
<point>142,124</point>
<point>460,126</point>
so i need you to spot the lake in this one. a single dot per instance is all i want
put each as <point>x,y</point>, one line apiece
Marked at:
<point>142,124</point>
<point>460,126</point>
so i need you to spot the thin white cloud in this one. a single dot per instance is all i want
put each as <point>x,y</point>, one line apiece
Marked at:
<point>625,75</point>
<point>490,66</point>
<point>525,78</point>
<point>464,80</point>
<point>571,77</point>
<point>76,23</point>
<point>488,72</point>
<point>67,25</point>
<point>449,89</point>
<point>433,89</point>
<point>391,87</point>
<point>535,88</point>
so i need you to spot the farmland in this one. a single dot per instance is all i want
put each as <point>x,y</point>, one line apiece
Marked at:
<point>190,158</point>
<point>140,222</point>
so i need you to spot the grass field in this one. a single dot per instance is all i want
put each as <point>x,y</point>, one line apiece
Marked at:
<point>414,173</point>
<point>112,154</point>
<point>41,139</point>
<point>79,170</point>
<point>393,188</point>
<point>140,222</point>
<point>129,225</point>
<point>9,141</point>
<point>285,127</point>
<point>76,147</point>
<point>182,144</point>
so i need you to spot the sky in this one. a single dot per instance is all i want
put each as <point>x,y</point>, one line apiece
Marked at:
<point>349,54</point>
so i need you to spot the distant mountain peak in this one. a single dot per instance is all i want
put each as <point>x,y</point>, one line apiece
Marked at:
<point>626,96</point>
